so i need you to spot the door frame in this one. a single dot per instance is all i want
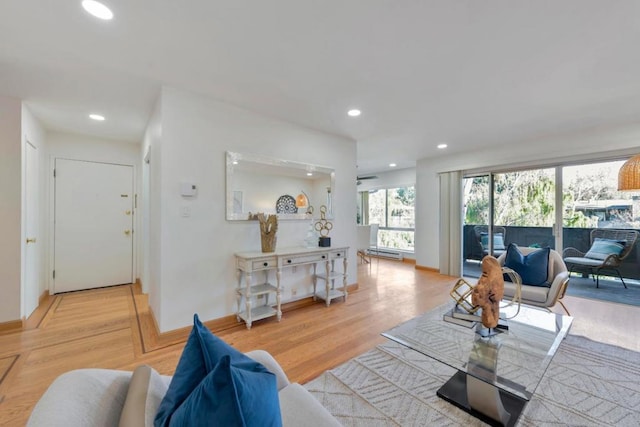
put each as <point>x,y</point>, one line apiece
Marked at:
<point>24,232</point>
<point>51,214</point>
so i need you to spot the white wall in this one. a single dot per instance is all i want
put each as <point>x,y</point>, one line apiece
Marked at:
<point>33,132</point>
<point>196,257</point>
<point>151,209</point>
<point>552,150</point>
<point>88,148</point>
<point>10,207</point>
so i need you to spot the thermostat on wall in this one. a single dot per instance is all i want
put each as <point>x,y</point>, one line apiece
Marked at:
<point>187,189</point>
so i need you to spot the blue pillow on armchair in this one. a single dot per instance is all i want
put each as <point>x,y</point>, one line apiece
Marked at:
<point>215,383</point>
<point>533,268</point>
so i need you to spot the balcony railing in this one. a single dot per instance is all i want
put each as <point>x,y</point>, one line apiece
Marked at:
<point>541,237</point>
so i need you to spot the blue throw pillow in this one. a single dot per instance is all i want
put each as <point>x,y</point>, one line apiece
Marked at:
<point>602,248</point>
<point>231,396</point>
<point>533,268</point>
<point>202,354</point>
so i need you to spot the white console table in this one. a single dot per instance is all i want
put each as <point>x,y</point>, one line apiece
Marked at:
<point>248,263</point>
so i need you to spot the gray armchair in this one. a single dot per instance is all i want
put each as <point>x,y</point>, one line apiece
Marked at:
<point>542,296</point>
<point>594,262</point>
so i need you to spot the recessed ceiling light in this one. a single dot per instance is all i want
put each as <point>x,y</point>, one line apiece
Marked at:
<point>354,113</point>
<point>97,117</point>
<point>309,174</point>
<point>392,165</point>
<point>235,162</point>
<point>441,146</point>
<point>97,9</point>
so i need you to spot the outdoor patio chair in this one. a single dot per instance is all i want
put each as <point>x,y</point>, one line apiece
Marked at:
<point>609,247</point>
<point>499,237</point>
<point>544,295</point>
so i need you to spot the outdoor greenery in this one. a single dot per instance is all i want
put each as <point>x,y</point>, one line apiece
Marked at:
<point>527,198</point>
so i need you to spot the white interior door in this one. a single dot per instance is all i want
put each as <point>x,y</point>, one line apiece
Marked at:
<point>93,225</point>
<point>31,284</point>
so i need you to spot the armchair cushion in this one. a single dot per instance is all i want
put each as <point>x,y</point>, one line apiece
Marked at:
<point>533,268</point>
<point>498,241</point>
<point>602,248</point>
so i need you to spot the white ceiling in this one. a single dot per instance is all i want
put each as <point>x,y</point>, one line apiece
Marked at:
<point>466,72</point>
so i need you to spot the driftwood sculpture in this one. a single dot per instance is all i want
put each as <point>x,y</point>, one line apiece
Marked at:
<point>489,291</point>
<point>268,228</point>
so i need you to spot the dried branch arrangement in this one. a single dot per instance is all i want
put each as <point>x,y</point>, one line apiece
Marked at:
<point>268,228</point>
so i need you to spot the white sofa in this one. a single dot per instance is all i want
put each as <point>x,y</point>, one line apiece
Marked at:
<point>96,397</point>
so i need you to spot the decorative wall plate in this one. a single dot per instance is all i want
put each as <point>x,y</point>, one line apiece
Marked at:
<point>286,205</point>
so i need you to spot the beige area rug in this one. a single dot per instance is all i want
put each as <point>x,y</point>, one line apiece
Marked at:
<point>587,384</point>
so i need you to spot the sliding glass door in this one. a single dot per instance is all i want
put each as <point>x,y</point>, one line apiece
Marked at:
<point>524,207</point>
<point>476,204</point>
<point>592,201</point>
<point>519,207</point>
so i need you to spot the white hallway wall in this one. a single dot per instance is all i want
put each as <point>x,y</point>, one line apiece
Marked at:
<point>10,208</point>
<point>591,144</point>
<point>17,125</point>
<point>151,197</point>
<point>194,262</point>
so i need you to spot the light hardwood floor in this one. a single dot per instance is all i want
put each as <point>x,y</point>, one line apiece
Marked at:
<point>111,328</point>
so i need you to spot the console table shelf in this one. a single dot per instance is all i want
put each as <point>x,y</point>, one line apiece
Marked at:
<point>262,289</point>
<point>248,263</point>
<point>330,292</point>
<point>260,312</point>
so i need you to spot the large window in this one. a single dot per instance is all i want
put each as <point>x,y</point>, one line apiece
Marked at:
<point>591,198</point>
<point>393,210</point>
<point>531,208</point>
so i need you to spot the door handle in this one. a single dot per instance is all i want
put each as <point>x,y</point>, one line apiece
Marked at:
<point>127,212</point>
<point>127,232</point>
<point>32,240</point>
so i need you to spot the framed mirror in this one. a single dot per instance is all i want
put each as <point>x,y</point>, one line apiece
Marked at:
<point>292,190</point>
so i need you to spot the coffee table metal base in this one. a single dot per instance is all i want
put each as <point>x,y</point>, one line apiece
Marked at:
<point>455,391</point>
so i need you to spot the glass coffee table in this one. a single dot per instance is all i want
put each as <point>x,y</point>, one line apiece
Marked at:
<point>497,375</point>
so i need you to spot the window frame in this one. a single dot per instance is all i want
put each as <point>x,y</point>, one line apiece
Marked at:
<point>385,226</point>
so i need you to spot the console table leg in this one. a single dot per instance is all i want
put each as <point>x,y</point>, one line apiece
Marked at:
<point>328,285</point>
<point>315,281</point>
<point>239,295</point>
<point>278,309</point>
<point>345,264</point>
<point>247,298</point>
